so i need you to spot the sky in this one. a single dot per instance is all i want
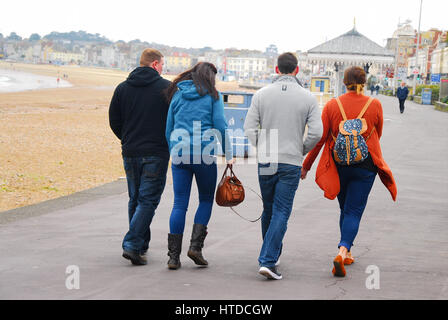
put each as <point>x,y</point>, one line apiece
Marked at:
<point>244,24</point>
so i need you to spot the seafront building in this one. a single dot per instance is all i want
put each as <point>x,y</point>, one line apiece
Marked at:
<point>66,57</point>
<point>429,42</point>
<point>388,65</point>
<point>332,57</point>
<point>402,43</point>
<point>246,68</point>
<point>177,62</point>
<point>439,67</point>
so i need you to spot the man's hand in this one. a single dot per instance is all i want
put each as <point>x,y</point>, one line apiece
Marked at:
<point>303,174</point>
<point>231,161</point>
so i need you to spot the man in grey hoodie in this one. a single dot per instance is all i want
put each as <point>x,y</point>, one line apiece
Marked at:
<point>275,125</point>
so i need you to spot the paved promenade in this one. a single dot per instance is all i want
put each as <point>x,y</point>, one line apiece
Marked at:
<point>406,240</point>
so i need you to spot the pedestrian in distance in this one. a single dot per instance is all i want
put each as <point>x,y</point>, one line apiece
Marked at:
<point>377,89</point>
<point>275,124</point>
<point>137,116</point>
<point>195,124</point>
<point>372,88</point>
<point>402,95</point>
<point>351,159</point>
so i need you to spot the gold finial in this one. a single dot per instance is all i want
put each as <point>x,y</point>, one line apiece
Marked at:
<point>354,22</point>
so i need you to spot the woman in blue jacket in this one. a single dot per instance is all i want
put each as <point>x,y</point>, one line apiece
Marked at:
<point>195,124</point>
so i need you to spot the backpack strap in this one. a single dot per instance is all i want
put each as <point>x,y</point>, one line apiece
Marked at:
<point>341,108</point>
<point>370,134</point>
<point>365,108</point>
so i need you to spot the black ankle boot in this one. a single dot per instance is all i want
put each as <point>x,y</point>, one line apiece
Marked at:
<point>174,249</point>
<point>197,243</point>
<point>136,259</point>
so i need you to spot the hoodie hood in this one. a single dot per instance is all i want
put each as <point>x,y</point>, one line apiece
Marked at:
<point>142,77</point>
<point>188,90</point>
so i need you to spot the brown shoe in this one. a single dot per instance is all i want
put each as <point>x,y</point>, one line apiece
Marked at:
<point>338,269</point>
<point>348,261</point>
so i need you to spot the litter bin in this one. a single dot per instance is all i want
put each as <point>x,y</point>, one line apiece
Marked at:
<point>426,96</point>
<point>236,105</point>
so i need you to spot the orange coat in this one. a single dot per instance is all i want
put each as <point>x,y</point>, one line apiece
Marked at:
<point>326,174</point>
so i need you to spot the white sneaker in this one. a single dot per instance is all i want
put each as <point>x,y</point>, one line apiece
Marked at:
<point>270,273</point>
<point>277,263</point>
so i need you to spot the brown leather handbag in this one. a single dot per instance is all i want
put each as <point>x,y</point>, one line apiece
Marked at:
<point>230,191</point>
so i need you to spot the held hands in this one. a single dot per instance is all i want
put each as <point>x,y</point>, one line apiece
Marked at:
<point>303,174</point>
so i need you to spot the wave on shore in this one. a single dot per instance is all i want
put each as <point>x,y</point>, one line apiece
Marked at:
<point>15,81</point>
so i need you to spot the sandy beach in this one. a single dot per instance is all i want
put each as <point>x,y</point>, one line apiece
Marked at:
<point>57,141</point>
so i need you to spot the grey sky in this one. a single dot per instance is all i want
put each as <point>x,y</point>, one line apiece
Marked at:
<point>252,24</point>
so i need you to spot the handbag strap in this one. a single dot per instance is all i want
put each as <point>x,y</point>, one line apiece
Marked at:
<point>229,166</point>
<point>231,208</point>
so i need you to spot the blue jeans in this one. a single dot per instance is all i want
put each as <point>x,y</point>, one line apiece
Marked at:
<point>277,190</point>
<point>205,176</point>
<point>146,177</point>
<point>356,184</point>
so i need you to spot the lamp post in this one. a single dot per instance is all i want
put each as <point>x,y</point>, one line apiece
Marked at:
<point>367,67</point>
<point>337,68</point>
<point>394,79</point>
<point>416,51</point>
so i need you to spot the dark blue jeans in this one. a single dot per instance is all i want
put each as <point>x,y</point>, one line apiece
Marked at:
<point>146,177</point>
<point>205,176</point>
<point>356,184</point>
<point>277,190</point>
<point>401,101</point>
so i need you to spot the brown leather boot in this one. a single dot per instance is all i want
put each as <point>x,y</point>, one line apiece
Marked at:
<point>197,243</point>
<point>174,249</point>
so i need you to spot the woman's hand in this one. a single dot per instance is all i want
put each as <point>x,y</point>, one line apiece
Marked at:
<point>303,174</point>
<point>231,161</point>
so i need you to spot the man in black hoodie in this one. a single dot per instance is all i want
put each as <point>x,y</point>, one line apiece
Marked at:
<point>137,116</point>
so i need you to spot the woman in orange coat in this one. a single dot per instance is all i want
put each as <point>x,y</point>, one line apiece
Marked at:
<point>350,183</point>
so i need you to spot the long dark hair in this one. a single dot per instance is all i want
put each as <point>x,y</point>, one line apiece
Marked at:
<point>203,76</point>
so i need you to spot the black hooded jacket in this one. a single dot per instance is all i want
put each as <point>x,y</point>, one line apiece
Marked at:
<point>138,112</point>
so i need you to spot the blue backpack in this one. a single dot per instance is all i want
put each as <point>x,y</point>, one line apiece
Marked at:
<point>350,147</point>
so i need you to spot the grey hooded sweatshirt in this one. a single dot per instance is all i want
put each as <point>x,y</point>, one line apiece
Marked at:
<point>276,121</point>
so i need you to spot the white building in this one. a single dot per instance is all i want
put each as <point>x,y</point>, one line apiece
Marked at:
<point>350,49</point>
<point>10,50</point>
<point>302,58</point>
<point>33,53</point>
<point>247,67</point>
<point>422,62</point>
<point>108,56</point>
<point>214,57</point>
<point>440,61</point>
<point>67,57</point>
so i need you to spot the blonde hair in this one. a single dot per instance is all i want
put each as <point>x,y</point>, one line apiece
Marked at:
<point>149,56</point>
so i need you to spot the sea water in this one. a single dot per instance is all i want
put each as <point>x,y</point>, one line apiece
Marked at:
<point>16,81</point>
